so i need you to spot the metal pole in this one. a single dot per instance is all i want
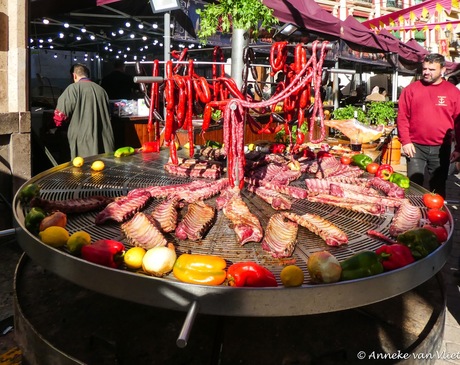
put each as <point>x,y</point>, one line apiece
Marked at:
<point>187,326</point>
<point>240,40</point>
<point>167,37</point>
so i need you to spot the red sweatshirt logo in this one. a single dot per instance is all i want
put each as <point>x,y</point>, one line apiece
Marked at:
<point>441,101</point>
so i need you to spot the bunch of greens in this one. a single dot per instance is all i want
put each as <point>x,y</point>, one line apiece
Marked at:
<point>381,112</point>
<point>348,112</point>
<point>281,137</point>
<point>224,15</point>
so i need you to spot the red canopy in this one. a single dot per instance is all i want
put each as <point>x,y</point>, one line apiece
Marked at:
<point>309,15</point>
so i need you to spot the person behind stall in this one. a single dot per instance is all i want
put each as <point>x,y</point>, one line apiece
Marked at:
<point>84,106</point>
<point>383,91</point>
<point>428,114</point>
<point>375,95</point>
<point>279,78</point>
<point>118,84</point>
<point>250,91</point>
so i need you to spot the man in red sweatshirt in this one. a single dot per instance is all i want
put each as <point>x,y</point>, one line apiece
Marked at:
<point>428,116</point>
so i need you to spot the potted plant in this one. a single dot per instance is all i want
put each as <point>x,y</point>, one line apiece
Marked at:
<point>226,15</point>
<point>381,112</point>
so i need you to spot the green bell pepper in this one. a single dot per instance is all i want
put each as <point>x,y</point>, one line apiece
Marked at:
<point>399,179</point>
<point>124,151</point>
<point>421,241</point>
<point>33,219</point>
<point>29,192</point>
<point>361,160</point>
<point>361,265</point>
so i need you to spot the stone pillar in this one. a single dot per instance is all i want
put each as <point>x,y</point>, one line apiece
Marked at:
<point>15,128</point>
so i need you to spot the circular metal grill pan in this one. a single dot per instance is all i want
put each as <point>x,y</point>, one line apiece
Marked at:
<point>142,170</point>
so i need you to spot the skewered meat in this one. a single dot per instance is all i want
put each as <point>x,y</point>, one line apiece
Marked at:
<point>330,166</point>
<point>389,202</point>
<point>389,188</point>
<point>72,205</point>
<point>275,173</point>
<point>359,181</point>
<point>196,222</point>
<point>141,230</point>
<point>406,217</point>
<point>124,207</point>
<point>272,197</point>
<point>165,214</point>
<point>202,193</point>
<point>323,186</point>
<point>280,236</point>
<point>350,204</point>
<point>331,234</point>
<point>246,225</point>
<point>195,168</point>
<point>160,191</point>
<point>292,191</point>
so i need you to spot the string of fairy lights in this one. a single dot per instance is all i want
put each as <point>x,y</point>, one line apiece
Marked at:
<point>133,40</point>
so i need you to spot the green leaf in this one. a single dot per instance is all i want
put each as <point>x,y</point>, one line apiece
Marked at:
<point>240,14</point>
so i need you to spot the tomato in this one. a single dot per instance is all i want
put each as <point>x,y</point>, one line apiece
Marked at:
<point>345,160</point>
<point>372,167</point>
<point>437,217</point>
<point>439,231</point>
<point>433,200</point>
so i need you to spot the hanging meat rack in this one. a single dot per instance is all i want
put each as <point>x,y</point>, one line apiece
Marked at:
<point>142,170</point>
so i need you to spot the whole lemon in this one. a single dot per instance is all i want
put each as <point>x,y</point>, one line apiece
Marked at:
<point>97,165</point>
<point>78,161</point>
<point>54,236</point>
<point>77,240</point>
<point>133,257</point>
<point>292,275</point>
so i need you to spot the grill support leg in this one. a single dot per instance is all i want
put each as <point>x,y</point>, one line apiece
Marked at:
<point>187,326</point>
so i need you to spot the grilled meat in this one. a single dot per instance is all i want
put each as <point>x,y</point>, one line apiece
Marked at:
<point>142,231</point>
<point>196,222</point>
<point>280,236</point>
<point>124,207</point>
<point>331,234</point>
<point>165,214</point>
<point>70,206</point>
<point>246,225</point>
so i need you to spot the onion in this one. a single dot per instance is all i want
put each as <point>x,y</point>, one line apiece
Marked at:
<point>324,267</point>
<point>159,261</point>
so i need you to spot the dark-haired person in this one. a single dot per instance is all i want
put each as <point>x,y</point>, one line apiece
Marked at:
<point>428,115</point>
<point>118,84</point>
<point>84,105</point>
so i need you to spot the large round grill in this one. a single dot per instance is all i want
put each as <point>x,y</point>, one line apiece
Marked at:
<point>142,170</point>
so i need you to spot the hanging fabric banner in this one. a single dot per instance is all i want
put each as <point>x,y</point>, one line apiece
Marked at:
<point>410,13</point>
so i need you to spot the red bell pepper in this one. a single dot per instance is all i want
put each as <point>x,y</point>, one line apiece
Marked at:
<point>250,274</point>
<point>394,256</point>
<point>277,148</point>
<point>150,147</point>
<point>384,171</point>
<point>104,252</point>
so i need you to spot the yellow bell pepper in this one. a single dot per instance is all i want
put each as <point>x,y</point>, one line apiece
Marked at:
<point>200,269</point>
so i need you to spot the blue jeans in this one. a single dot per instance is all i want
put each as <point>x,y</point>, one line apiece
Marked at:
<point>430,167</point>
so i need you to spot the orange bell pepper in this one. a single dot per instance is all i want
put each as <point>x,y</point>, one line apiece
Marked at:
<point>200,269</point>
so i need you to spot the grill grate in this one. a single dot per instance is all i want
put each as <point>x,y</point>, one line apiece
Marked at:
<point>143,170</point>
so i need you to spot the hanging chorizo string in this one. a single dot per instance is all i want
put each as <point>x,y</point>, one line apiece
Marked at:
<point>179,103</point>
<point>318,112</point>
